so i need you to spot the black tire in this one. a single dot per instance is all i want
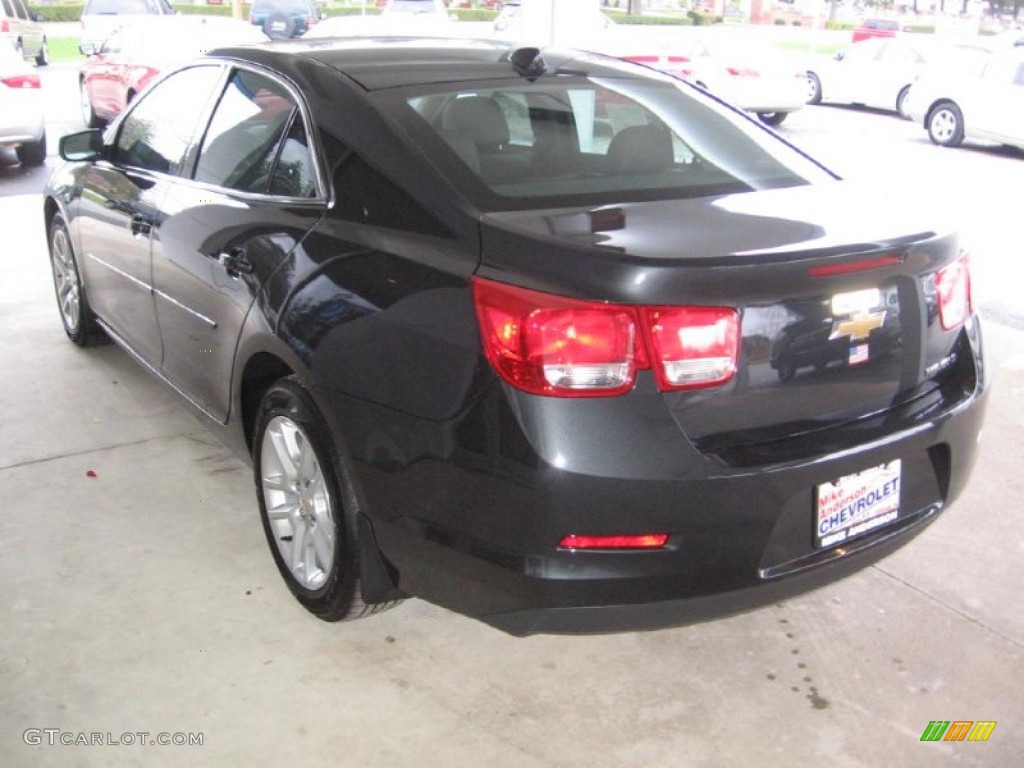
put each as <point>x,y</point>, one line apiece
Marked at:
<point>813,88</point>
<point>43,56</point>
<point>901,102</point>
<point>72,301</point>
<point>89,116</point>
<point>945,124</point>
<point>32,152</point>
<point>772,118</point>
<point>279,26</point>
<point>301,476</point>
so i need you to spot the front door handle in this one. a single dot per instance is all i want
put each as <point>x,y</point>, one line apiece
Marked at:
<point>140,225</point>
<point>235,263</point>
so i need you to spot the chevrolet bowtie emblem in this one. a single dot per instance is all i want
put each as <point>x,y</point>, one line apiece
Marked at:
<point>858,327</point>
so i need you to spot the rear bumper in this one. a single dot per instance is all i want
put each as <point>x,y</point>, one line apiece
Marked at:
<point>469,516</point>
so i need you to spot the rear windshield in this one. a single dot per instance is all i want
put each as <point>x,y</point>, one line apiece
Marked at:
<point>579,141</point>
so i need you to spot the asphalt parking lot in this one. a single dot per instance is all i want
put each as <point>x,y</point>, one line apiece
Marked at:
<point>138,595</point>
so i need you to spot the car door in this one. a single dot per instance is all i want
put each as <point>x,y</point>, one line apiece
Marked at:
<point>121,201</point>
<point>996,107</point>
<point>853,75</point>
<point>254,195</point>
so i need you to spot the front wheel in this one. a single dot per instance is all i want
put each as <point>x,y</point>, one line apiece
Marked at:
<point>308,505</point>
<point>75,313</point>
<point>43,56</point>
<point>946,125</point>
<point>901,102</point>
<point>772,118</point>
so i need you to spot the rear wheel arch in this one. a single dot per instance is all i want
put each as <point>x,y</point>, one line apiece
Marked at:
<point>260,373</point>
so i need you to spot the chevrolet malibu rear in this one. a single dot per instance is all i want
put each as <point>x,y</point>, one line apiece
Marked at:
<point>543,337</point>
<point>708,383</point>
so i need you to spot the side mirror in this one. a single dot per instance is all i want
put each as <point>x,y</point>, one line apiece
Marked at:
<point>38,17</point>
<point>82,146</point>
<point>87,49</point>
<point>839,56</point>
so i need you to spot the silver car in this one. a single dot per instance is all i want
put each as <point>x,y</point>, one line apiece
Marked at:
<point>981,99</point>
<point>21,108</point>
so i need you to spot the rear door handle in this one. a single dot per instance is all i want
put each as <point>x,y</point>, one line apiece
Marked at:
<point>235,263</point>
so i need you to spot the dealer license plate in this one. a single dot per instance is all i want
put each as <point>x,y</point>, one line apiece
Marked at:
<point>857,504</point>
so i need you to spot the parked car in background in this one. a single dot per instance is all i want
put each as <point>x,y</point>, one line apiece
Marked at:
<point>982,99</point>
<point>870,28</point>
<point>21,108</point>
<point>285,18</point>
<point>544,337</point>
<point>874,73</point>
<point>397,17</point>
<point>135,54</point>
<point>23,31</point>
<point>101,17</point>
<point>756,79</point>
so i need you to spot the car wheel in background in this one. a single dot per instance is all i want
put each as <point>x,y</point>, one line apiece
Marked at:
<point>901,102</point>
<point>946,124</point>
<point>308,505</point>
<point>75,313</point>
<point>772,118</point>
<point>43,57</point>
<point>89,116</point>
<point>32,152</point>
<point>813,89</point>
<point>278,25</point>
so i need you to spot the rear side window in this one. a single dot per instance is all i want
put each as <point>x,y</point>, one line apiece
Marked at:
<point>159,129</point>
<point>256,141</point>
<point>8,9</point>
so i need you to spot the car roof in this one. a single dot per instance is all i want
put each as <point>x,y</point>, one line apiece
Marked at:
<point>392,62</point>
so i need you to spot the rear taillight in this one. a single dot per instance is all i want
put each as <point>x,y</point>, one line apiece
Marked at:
<point>953,287</point>
<point>21,81</point>
<point>5,26</point>
<point>693,346</point>
<point>551,345</point>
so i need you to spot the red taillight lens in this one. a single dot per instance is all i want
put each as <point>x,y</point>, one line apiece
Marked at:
<point>643,541</point>
<point>953,286</point>
<point>5,26</point>
<point>21,81</point>
<point>693,346</point>
<point>551,345</point>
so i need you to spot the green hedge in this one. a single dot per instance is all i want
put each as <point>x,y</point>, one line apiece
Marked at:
<point>627,18</point>
<point>69,12</point>
<point>840,25</point>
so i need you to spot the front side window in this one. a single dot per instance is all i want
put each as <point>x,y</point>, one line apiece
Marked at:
<point>599,140</point>
<point>257,141</point>
<point>157,132</point>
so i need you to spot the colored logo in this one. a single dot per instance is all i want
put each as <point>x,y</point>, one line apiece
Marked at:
<point>958,730</point>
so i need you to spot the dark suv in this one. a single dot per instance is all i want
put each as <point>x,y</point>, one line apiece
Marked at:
<point>285,18</point>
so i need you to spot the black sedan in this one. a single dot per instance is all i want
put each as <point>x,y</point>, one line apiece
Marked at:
<point>540,336</point>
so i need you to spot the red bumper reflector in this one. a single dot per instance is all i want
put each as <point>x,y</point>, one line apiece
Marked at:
<point>643,541</point>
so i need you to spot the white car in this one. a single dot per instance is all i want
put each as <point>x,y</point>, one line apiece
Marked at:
<point>755,79</point>
<point>21,108</point>
<point>983,99</point>
<point>101,17</point>
<point>879,72</point>
<point>398,17</point>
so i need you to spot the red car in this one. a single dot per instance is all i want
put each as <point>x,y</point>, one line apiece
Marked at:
<point>138,52</point>
<point>875,28</point>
